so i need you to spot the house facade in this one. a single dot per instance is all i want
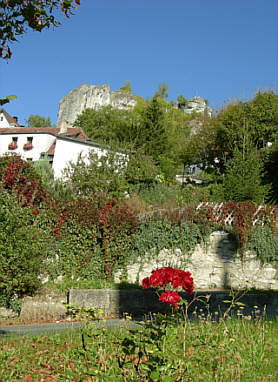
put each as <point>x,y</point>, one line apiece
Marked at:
<point>58,146</point>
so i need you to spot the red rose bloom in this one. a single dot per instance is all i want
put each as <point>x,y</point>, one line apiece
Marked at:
<point>170,297</point>
<point>146,283</point>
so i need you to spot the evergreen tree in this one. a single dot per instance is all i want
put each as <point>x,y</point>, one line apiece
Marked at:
<point>154,137</point>
<point>243,178</point>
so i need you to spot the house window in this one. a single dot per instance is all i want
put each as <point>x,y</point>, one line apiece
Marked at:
<point>29,159</point>
<point>28,145</point>
<point>13,144</point>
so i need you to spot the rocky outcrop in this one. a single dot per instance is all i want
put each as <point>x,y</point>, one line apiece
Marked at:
<point>91,96</point>
<point>197,105</point>
<point>97,96</point>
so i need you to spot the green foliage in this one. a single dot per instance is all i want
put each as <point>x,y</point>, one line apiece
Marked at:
<point>162,91</point>
<point>264,243</point>
<point>140,168</point>
<point>89,239</point>
<point>7,99</point>
<point>153,236</point>
<point>197,350</point>
<point>38,121</point>
<point>108,125</point>
<point>258,118</point>
<point>153,135</point>
<point>271,171</point>
<point>127,87</point>
<point>22,247</point>
<point>57,188</point>
<point>16,17</point>
<point>243,179</point>
<point>102,176</point>
<point>154,128</point>
<point>182,101</point>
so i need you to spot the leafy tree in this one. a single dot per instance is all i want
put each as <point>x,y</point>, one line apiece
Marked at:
<point>17,16</point>
<point>220,134</point>
<point>182,101</point>
<point>153,127</point>
<point>7,99</point>
<point>38,121</point>
<point>140,168</point>
<point>107,125</point>
<point>162,91</point>
<point>127,87</point>
<point>95,176</point>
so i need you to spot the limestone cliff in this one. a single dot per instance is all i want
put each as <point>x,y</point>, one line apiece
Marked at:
<point>198,105</point>
<point>91,96</point>
<point>96,96</point>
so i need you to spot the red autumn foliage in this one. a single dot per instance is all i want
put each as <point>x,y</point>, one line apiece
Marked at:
<point>18,176</point>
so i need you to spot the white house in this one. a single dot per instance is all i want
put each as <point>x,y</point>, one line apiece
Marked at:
<point>59,146</point>
<point>6,120</point>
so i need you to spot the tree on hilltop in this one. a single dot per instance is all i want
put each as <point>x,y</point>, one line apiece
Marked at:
<point>38,121</point>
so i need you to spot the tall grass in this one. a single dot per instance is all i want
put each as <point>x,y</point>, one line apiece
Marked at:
<point>200,350</point>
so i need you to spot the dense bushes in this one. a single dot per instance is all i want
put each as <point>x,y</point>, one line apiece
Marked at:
<point>88,237</point>
<point>20,177</point>
<point>22,247</point>
<point>153,236</point>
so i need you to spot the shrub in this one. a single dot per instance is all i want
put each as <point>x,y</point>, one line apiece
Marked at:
<point>20,177</point>
<point>22,247</point>
<point>264,243</point>
<point>153,236</point>
<point>91,237</point>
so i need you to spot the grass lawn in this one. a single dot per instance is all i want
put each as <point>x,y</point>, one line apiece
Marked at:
<point>203,350</point>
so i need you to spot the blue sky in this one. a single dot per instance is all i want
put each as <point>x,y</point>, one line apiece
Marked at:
<point>217,49</point>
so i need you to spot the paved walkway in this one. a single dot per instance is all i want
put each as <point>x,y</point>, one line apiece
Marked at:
<point>37,329</point>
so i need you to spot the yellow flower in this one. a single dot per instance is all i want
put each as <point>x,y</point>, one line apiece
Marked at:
<point>232,340</point>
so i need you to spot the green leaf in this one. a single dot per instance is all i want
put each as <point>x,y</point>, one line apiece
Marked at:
<point>166,378</point>
<point>154,375</point>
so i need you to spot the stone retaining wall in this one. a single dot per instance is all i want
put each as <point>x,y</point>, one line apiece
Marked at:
<point>116,303</point>
<point>215,265</point>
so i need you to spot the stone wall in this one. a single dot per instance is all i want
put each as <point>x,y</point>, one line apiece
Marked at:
<point>214,265</point>
<point>115,303</point>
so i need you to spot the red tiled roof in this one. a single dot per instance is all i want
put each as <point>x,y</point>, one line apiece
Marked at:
<point>10,119</point>
<point>72,132</point>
